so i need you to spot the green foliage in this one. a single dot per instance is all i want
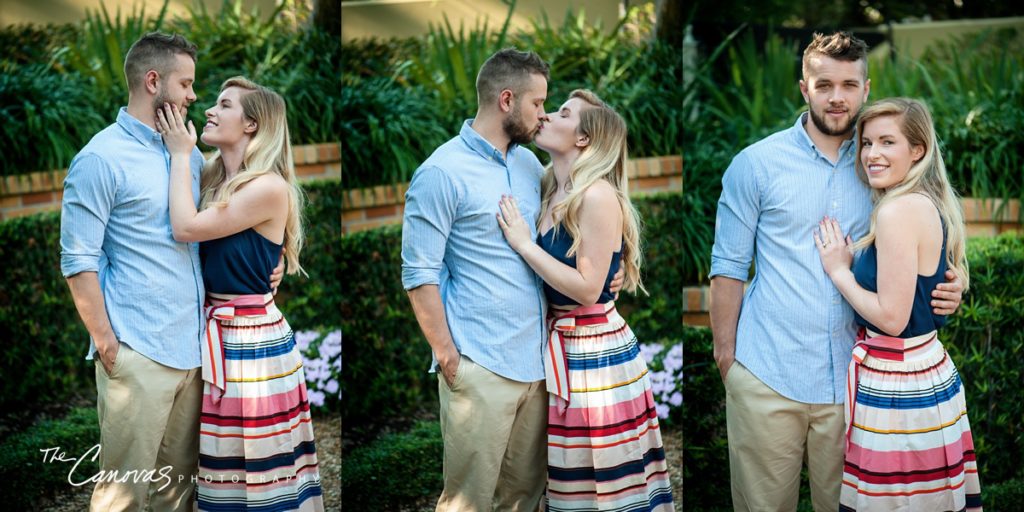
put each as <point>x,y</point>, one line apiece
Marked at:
<point>46,343</point>
<point>44,361</point>
<point>388,131</point>
<point>396,470</point>
<point>313,302</point>
<point>61,84</point>
<point>974,86</point>
<point>371,57</point>
<point>385,354</point>
<point>985,340</point>
<point>45,118</point>
<point>1004,496</point>
<point>759,94</point>
<point>697,235</point>
<point>25,477</point>
<point>410,102</point>
<point>27,44</point>
<point>704,436</point>
<point>656,316</point>
<point>449,62</point>
<point>101,47</point>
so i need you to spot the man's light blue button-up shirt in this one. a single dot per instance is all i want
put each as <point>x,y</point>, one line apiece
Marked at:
<point>493,301</point>
<point>795,331</point>
<point>115,221</point>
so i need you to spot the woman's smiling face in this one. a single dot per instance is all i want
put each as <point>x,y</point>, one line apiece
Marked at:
<point>886,154</point>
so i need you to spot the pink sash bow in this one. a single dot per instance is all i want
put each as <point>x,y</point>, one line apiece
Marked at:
<point>879,347</point>
<point>556,365</point>
<point>213,348</point>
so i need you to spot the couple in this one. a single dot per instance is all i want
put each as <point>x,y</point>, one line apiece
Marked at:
<point>213,395</point>
<point>813,334</point>
<point>484,224</point>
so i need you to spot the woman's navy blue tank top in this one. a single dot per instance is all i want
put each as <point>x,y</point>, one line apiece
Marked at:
<point>922,320</point>
<point>239,264</point>
<point>557,245</point>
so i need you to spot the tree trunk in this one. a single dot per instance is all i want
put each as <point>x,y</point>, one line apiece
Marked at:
<point>327,16</point>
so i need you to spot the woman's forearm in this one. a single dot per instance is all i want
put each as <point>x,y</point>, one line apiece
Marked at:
<point>569,281</point>
<point>869,304</point>
<point>181,202</point>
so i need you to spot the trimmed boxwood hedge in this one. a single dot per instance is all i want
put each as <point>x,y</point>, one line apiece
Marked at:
<point>45,340</point>
<point>985,339</point>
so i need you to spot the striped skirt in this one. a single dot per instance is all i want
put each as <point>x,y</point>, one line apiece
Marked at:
<point>256,450</point>
<point>604,446</point>
<point>909,444</point>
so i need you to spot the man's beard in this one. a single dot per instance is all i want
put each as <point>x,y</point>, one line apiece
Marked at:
<point>823,127</point>
<point>516,130</point>
<point>161,99</point>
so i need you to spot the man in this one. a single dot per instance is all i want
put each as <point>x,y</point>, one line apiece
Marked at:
<point>783,356</point>
<point>480,306</point>
<point>139,293</point>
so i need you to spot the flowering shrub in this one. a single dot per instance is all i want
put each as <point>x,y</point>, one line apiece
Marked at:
<point>321,361</point>
<point>665,362</point>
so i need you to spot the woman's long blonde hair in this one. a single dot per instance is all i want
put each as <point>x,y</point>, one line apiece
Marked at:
<point>269,151</point>
<point>604,158</point>
<point>926,176</point>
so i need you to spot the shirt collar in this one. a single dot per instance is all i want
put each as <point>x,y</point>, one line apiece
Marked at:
<point>480,145</point>
<point>144,134</point>
<point>805,139</point>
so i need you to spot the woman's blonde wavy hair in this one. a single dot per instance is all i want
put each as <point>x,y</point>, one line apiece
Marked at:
<point>926,176</point>
<point>269,151</point>
<point>604,158</point>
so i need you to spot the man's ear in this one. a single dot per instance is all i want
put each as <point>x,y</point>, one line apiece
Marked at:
<point>506,100</point>
<point>152,81</point>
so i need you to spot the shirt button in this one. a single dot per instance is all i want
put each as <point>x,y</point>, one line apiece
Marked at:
<point>835,205</point>
<point>835,301</point>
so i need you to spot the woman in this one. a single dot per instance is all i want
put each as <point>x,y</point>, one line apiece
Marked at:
<point>909,444</point>
<point>604,445</point>
<point>256,440</point>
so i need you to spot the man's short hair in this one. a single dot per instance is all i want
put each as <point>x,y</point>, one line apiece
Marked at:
<point>156,51</point>
<point>840,46</point>
<point>507,69</point>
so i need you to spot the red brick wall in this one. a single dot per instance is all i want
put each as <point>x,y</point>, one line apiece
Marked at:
<point>42,191</point>
<point>369,208</point>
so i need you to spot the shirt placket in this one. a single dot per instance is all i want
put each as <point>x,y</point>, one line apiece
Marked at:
<point>836,328</point>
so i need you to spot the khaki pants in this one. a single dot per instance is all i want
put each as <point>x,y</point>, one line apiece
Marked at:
<point>769,438</point>
<point>495,441</point>
<point>149,419</point>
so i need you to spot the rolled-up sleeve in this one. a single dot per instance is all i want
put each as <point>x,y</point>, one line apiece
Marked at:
<point>89,192</point>
<point>736,220</point>
<point>430,206</point>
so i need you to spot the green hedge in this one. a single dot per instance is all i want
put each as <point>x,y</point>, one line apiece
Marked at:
<point>985,339</point>
<point>314,302</point>
<point>46,342</point>
<point>24,476</point>
<point>396,470</point>
<point>385,352</point>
